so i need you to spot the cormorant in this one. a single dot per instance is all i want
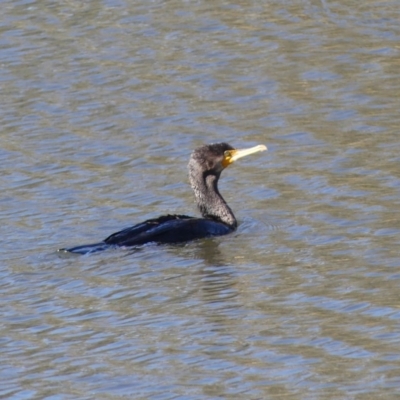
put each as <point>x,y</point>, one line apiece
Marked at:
<point>205,166</point>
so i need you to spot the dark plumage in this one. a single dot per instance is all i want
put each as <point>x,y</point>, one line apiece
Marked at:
<point>205,166</point>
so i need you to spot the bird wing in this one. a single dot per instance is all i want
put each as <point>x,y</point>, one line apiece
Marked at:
<point>144,227</point>
<point>168,229</point>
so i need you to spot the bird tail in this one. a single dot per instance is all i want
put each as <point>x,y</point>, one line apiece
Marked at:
<point>86,248</point>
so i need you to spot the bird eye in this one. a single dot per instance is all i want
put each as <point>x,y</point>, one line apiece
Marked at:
<point>227,153</point>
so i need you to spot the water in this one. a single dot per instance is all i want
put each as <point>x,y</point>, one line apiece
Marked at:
<point>102,103</point>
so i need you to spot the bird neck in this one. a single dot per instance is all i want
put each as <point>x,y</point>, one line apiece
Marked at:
<point>210,202</point>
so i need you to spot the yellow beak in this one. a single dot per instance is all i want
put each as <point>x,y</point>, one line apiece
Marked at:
<point>232,155</point>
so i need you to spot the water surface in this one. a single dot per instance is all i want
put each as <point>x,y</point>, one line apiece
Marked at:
<point>102,103</point>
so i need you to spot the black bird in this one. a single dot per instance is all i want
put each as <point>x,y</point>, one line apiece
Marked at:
<point>205,166</point>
